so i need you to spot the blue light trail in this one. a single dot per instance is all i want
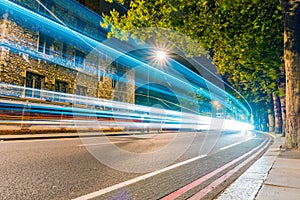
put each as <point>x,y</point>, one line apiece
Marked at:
<point>55,108</point>
<point>114,114</point>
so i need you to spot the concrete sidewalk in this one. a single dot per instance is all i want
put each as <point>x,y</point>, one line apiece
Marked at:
<point>276,175</point>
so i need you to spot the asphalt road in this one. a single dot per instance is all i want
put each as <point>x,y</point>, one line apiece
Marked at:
<point>71,168</point>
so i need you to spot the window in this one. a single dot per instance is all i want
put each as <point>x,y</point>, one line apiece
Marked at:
<point>61,86</point>
<point>33,81</point>
<point>100,75</point>
<point>115,77</point>
<point>113,83</point>
<point>45,44</point>
<point>79,58</point>
<point>64,50</point>
<point>81,90</point>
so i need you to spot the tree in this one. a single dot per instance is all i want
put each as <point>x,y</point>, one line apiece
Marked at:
<point>246,37</point>
<point>291,14</point>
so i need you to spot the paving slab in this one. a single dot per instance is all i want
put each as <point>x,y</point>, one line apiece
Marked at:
<point>274,192</point>
<point>284,177</point>
<point>287,163</point>
<point>276,176</point>
<point>248,184</point>
<point>242,189</point>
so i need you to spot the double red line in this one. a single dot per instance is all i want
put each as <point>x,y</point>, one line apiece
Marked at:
<point>221,179</point>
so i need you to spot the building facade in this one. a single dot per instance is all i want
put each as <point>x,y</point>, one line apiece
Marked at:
<point>50,45</point>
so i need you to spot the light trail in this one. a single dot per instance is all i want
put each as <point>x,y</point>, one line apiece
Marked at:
<point>117,114</point>
<point>79,109</point>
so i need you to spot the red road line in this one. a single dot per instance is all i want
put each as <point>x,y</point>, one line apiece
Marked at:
<point>220,180</point>
<point>197,182</point>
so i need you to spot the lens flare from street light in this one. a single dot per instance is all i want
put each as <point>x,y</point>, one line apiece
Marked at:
<point>161,55</point>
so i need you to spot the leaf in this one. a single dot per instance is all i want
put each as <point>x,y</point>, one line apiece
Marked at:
<point>246,36</point>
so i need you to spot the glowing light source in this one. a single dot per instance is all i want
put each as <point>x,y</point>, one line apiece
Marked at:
<point>158,56</point>
<point>161,55</point>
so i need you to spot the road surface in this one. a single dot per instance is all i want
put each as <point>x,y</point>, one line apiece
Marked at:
<point>150,166</point>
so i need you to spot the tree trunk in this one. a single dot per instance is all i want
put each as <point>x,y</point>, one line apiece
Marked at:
<point>283,114</point>
<point>282,98</point>
<point>264,121</point>
<point>277,114</point>
<point>291,16</point>
<point>271,119</point>
<point>256,120</point>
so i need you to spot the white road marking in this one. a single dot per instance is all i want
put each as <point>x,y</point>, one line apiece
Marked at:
<point>226,147</point>
<point>134,180</point>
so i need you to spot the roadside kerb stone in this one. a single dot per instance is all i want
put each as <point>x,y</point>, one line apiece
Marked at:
<point>248,185</point>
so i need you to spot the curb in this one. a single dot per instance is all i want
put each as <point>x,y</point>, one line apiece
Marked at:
<point>251,181</point>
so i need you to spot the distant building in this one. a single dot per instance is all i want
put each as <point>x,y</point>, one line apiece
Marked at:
<point>39,49</point>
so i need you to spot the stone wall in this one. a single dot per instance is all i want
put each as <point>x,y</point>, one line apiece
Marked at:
<point>105,88</point>
<point>88,81</point>
<point>125,88</point>
<point>14,64</point>
<point>67,12</point>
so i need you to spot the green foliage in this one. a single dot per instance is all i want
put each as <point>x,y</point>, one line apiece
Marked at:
<point>120,1</point>
<point>246,35</point>
<point>280,92</point>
